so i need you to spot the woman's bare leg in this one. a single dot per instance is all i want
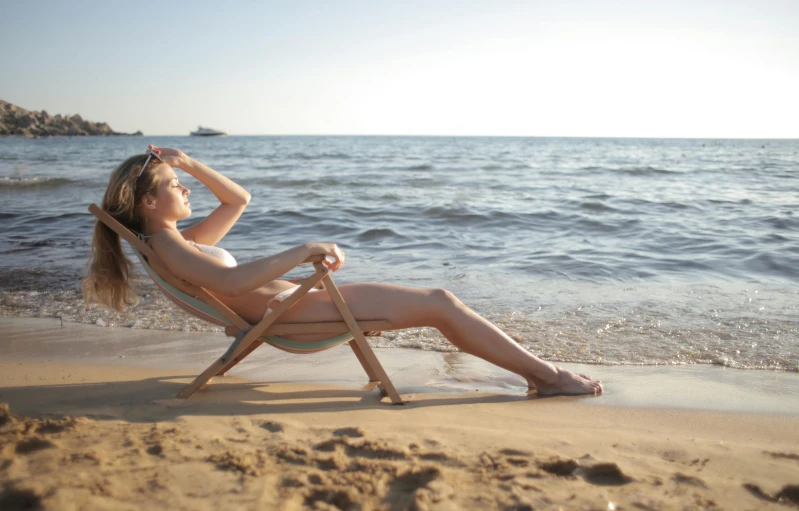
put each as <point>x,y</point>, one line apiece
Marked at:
<point>406,307</point>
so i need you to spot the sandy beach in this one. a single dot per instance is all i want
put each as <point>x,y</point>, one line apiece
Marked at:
<point>91,423</point>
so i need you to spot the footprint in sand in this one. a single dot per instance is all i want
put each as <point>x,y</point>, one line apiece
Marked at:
<point>517,461</point>
<point>328,445</point>
<point>417,486</point>
<point>12,497</point>
<point>440,457</point>
<point>293,454</point>
<point>273,427</point>
<point>29,445</point>
<point>514,452</point>
<point>434,456</point>
<point>605,474</point>
<point>560,467</point>
<point>353,432</point>
<point>48,426</point>
<point>782,455</point>
<point>247,463</point>
<point>315,479</point>
<point>506,458</point>
<point>364,449</point>
<point>758,492</point>
<point>788,493</point>
<point>681,478</point>
<point>340,499</point>
<point>84,457</point>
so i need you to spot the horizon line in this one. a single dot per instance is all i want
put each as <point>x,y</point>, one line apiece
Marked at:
<point>475,136</point>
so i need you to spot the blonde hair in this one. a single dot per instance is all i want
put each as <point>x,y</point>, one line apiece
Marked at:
<point>108,279</point>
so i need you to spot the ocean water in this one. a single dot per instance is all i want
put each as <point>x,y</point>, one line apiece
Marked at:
<point>605,251</point>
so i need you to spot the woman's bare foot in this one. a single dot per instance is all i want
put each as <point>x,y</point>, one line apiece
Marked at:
<point>566,383</point>
<point>533,383</point>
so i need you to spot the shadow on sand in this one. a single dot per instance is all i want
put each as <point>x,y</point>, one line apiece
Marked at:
<point>152,399</point>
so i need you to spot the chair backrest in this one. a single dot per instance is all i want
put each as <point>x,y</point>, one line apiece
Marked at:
<point>191,298</point>
<point>188,303</point>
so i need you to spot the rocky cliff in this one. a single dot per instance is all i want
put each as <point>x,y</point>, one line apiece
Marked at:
<point>18,121</point>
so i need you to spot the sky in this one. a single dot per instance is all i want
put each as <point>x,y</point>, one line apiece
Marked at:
<point>673,68</point>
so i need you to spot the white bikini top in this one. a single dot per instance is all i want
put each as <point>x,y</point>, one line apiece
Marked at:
<point>217,252</point>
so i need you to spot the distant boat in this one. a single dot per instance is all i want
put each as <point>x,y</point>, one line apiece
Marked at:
<point>207,132</point>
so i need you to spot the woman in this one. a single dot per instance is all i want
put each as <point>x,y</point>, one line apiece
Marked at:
<point>144,194</point>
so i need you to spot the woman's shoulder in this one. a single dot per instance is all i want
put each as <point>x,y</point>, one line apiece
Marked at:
<point>164,238</point>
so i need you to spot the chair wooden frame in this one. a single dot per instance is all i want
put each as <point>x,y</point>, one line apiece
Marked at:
<point>249,337</point>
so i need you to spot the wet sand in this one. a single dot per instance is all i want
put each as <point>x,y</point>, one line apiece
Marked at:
<point>97,426</point>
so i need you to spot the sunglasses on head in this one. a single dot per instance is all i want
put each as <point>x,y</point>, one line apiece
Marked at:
<point>150,154</point>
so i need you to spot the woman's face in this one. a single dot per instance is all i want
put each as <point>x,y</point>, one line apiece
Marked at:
<point>171,199</point>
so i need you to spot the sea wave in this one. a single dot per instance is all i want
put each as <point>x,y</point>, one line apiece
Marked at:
<point>597,207</point>
<point>34,182</point>
<point>372,235</point>
<point>320,156</point>
<point>635,170</point>
<point>783,223</point>
<point>281,183</point>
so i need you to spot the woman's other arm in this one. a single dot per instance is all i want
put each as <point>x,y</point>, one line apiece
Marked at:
<point>203,270</point>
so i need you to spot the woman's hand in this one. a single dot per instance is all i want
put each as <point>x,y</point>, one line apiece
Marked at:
<point>173,157</point>
<point>334,257</point>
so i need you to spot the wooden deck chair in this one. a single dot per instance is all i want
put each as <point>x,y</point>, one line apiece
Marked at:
<point>199,302</point>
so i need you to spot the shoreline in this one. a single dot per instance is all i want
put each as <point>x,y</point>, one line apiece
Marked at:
<point>413,371</point>
<point>90,429</point>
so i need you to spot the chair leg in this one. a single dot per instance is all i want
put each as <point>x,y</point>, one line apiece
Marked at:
<point>233,362</point>
<point>358,353</point>
<point>360,340</point>
<point>220,363</point>
<point>202,379</point>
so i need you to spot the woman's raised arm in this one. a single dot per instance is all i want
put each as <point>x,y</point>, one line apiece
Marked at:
<point>233,197</point>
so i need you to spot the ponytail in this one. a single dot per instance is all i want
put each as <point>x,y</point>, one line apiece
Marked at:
<point>108,280</point>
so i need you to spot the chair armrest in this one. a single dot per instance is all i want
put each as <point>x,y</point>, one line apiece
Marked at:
<point>298,282</point>
<point>313,259</point>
